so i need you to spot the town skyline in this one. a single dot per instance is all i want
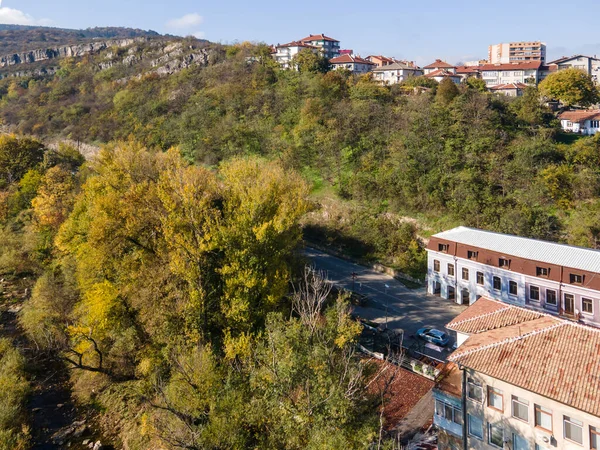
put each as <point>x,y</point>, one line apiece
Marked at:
<point>454,33</point>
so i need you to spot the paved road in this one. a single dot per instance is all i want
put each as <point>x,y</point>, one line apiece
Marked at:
<point>407,309</point>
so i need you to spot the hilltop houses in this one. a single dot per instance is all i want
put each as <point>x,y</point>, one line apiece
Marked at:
<point>354,64</point>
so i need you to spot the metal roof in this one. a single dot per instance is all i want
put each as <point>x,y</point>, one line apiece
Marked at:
<point>533,249</point>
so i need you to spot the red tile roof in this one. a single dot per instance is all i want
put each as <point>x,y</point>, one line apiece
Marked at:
<point>450,380</point>
<point>579,116</point>
<point>348,59</point>
<point>439,64</point>
<point>381,58</point>
<point>512,66</point>
<point>296,44</point>
<point>549,356</point>
<point>441,73</point>
<point>467,69</point>
<point>503,87</point>
<point>318,37</point>
<point>487,314</point>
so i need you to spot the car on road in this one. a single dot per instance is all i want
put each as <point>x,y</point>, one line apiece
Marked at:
<point>434,336</point>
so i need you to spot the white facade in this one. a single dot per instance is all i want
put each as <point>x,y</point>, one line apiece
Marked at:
<point>506,53</point>
<point>285,53</point>
<point>588,127</point>
<point>589,64</point>
<point>514,288</point>
<point>495,77</point>
<point>521,433</point>
<point>395,73</point>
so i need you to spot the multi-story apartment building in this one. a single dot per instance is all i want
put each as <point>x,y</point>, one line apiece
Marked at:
<point>284,53</point>
<point>465,264</point>
<point>330,48</point>
<point>354,64</point>
<point>589,64</point>
<point>521,381</point>
<point>395,73</point>
<point>517,52</point>
<point>525,73</point>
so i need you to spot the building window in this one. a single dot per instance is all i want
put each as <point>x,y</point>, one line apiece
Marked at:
<point>551,297</point>
<point>595,124</point>
<point>541,271</point>
<point>448,412</point>
<point>502,262</point>
<point>495,435</point>
<point>443,248</point>
<point>520,408</point>
<point>474,390</point>
<point>475,426</point>
<point>451,270</point>
<point>543,418</point>
<point>575,278</point>
<point>573,429</point>
<point>534,293</point>
<point>495,399</point>
<point>512,288</point>
<point>472,255</point>
<point>587,305</point>
<point>594,438</point>
<point>497,284</point>
<point>520,443</point>
<point>436,265</point>
<point>465,274</point>
<point>480,278</point>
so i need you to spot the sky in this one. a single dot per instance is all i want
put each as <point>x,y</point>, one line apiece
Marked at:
<point>455,31</point>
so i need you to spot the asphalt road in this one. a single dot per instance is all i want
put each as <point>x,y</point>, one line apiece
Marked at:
<point>405,310</point>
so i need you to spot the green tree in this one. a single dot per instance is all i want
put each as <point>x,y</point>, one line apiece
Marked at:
<point>446,91</point>
<point>306,60</point>
<point>17,156</point>
<point>573,87</point>
<point>477,84</point>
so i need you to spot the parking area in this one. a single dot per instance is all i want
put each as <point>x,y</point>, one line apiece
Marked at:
<point>391,303</point>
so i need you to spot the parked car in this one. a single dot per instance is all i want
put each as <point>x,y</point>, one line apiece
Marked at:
<point>434,336</point>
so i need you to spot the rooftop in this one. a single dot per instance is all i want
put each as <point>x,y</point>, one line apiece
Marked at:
<point>296,44</point>
<point>503,87</point>
<point>348,59</point>
<point>548,356</point>
<point>532,249</point>
<point>318,37</point>
<point>439,64</point>
<point>441,73</point>
<point>395,66</point>
<point>569,58</point>
<point>579,116</point>
<point>487,314</point>
<point>530,65</point>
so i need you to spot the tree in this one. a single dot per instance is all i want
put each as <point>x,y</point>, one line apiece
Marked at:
<point>306,60</point>
<point>446,91</point>
<point>17,156</point>
<point>477,84</point>
<point>573,87</point>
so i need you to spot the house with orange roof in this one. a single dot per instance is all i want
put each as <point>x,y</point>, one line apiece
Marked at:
<point>438,65</point>
<point>510,89</point>
<point>380,60</point>
<point>521,380</point>
<point>330,47</point>
<point>582,122</point>
<point>530,73</point>
<point>441,74</point>
<point>354,64</point>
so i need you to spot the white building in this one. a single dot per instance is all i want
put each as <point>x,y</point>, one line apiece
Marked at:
<point>438,65</point>
<point>354,64</point>
<point>395,73</point>
<point>525,73</point>
<point>465,264</point>
<point>284,53</point>
<point>589,64</point>
<point>440,75</point>
<point>582,122</point>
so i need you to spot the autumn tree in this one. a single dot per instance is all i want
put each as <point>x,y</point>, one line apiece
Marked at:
<point>17,156</point>
<point>573,87</point>
<point>446,91</point>
<point>306,60</point>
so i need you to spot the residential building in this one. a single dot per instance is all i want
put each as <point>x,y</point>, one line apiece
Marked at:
<point>346,51</point>
<point>526,381</point>
<point>465,264</point>
<point>330,48</point>
<point>589,64</point>
<point>395,73</point>
<point>440,75</point>
<point>438,64</point>
<point>517,52</point>
<point>581,122</point>
<point>525,73</point>
<point>284,53</point>
<point>354,64</point>
<point>380,60</point>
<point>510,89</point>
<point>467,72</point>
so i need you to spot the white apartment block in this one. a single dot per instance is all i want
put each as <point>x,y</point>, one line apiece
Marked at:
<point>525,73</point>
<point>506,53</point>
<point>395,73</point>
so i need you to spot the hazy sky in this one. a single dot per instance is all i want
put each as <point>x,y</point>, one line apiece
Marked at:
<point>456,30</point>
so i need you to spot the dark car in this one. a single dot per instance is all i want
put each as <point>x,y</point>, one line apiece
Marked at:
<point>434,336</point>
